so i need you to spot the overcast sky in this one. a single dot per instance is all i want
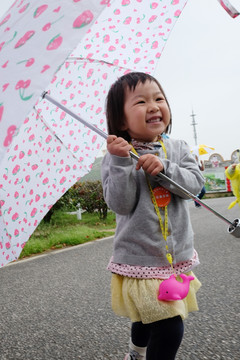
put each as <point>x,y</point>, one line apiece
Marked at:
<point>199,71</point>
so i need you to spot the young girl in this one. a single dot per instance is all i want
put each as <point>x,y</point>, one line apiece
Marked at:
<point>150,234</point>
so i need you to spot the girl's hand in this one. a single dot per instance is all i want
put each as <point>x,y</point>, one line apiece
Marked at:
<point>150,163</point>
<point>118,146</point>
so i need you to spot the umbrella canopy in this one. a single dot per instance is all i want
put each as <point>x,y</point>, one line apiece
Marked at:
<point>35,38</point>
<point>202,150</point>
<point>52,150</point>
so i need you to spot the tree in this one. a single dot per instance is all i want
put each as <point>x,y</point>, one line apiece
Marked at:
<point>91,197</point>
<point>88,194</point>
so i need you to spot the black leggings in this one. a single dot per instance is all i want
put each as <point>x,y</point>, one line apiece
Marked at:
<point>162,338</point>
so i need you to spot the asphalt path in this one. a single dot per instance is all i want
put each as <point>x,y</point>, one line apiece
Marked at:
<point>57,306</point>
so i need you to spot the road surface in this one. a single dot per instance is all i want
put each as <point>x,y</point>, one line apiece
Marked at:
<point>57,306</point>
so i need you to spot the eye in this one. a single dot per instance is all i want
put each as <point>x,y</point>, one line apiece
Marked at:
<point>141,102</point>
<point>160,98</point>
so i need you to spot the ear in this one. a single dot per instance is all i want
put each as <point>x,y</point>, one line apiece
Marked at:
<point>124,127</point>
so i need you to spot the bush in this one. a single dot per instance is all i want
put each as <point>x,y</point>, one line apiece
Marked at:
<point>88,194</point>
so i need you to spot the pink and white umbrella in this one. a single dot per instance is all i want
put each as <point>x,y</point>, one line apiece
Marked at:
<point>51,150</point>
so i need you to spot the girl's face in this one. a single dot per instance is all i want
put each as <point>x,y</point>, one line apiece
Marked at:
<point>146,112</point>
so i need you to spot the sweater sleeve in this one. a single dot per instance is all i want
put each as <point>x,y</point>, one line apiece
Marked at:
<point>184,170</point>
<point>119,183</point>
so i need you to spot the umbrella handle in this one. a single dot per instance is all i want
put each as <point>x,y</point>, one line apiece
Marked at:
<point>234,227</point>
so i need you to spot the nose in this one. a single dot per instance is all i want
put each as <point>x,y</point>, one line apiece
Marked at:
<point>153,107</point>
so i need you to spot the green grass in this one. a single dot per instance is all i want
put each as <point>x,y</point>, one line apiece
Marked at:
<point>66,230</point>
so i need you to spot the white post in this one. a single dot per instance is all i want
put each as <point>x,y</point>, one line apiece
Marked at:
<point>79,214</point>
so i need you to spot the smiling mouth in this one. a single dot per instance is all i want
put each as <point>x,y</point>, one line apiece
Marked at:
<point>154,120</point>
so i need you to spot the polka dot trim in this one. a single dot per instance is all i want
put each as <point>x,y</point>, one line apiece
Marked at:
<point>151,272</point>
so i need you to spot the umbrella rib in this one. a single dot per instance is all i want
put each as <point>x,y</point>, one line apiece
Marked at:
<point>53,133</point>
<point>76,58</point>
<point>45,95</point>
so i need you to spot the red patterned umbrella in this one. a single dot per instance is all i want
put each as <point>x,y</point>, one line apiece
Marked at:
<point>50,151</point>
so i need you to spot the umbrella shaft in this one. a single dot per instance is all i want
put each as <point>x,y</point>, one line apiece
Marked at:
<point>45,95</point>
<point>195,198</point>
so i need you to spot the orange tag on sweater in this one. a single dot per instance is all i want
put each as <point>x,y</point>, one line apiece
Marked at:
<point>162,196</point>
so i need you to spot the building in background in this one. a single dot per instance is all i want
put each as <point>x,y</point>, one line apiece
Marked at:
<point>214,172</point>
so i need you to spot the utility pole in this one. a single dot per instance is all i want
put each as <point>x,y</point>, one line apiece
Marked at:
<point>194,127</point>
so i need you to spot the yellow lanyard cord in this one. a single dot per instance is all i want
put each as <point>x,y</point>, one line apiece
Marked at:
<point>164,228</point>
